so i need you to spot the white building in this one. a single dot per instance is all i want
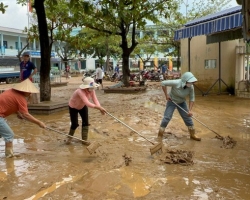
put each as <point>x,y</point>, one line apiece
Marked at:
<point>12,41</point>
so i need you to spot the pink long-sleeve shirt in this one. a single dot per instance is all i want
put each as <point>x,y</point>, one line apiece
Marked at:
<point>81,97</point>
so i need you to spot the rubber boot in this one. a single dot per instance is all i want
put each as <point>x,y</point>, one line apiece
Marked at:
<point>85,133</point>
<point>9,150</point>
<point>160,133</point>
<point>192,133</point>
<point>69,139</point>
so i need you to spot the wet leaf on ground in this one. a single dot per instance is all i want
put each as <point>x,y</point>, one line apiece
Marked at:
<point>127,159</point>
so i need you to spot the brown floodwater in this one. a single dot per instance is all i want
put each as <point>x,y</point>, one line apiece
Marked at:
<point>46,168</point>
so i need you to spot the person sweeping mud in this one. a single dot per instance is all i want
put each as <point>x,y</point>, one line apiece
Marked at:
<point>15,101</point>
<point>79,103</point>
<point>180,89</point>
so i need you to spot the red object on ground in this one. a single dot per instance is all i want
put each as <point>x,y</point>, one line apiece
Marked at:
<point>131,83</point>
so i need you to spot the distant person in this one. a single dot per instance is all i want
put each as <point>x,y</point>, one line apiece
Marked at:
<point>103,70</point>
<point>79,103</point>
<point>180,88</point>
<point>67,72</point>
<point>111,68</point>
<point>117,69</point>
<point>164,70</point>
<point>14,101</point>
<point>27,68</point>
<point>117,73</point>
<point>99,75</point>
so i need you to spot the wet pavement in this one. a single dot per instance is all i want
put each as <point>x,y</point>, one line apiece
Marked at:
<point>46,168</point>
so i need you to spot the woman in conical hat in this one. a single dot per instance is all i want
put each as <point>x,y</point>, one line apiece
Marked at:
<point>79,103</point>
<point>15,101</point>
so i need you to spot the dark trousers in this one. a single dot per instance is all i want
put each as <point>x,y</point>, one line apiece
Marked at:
<point>74,117</point>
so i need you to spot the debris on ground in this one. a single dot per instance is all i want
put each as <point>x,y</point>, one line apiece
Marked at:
<point>181,157</point>
<point>127,159</point>
<point>228,143</point>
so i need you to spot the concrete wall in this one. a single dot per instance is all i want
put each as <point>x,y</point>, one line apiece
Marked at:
<point>90,63</point>
<point>200,51</point>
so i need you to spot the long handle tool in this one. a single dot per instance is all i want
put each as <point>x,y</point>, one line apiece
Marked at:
<point>154,149</point>
<point>218,135</point>
<point>91,147</point>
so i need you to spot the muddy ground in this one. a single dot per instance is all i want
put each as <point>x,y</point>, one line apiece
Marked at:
<point>123,168</point>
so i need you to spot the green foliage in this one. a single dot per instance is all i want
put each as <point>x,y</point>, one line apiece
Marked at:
<point>145,49</point>
<point>114,16</point>
<point>121,18</point>
<point>187,11</point>
<point>91,42</point>
<point>239,2</point>
<point>3,7</point>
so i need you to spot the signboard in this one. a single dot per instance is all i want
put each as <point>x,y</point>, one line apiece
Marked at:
<point>38,53</point>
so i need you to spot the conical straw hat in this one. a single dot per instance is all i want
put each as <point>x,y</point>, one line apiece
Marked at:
<point>26,86</point>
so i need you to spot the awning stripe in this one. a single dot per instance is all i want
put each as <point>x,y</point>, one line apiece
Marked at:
<point>211,24</point>
<point>210,27</point>
<point>230,11</point>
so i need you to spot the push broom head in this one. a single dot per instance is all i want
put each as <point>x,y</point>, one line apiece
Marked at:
<point>93,146</point>
<point>156,148</point>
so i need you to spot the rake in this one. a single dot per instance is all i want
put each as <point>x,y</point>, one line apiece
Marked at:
<point>91,147</point>
<point>228,142</point>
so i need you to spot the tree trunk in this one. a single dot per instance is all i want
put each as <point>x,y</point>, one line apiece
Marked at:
<point>126,53</point>
<point>125,68</point>
<point>106,68</point>
<point>125,61</point>
<point>45,89</point>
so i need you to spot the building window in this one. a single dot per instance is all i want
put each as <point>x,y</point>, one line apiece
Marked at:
<point>210,64</point>
<point>17,45</point>
<point>148,33</point>
<point>137,34</point>
<point>5,44</point>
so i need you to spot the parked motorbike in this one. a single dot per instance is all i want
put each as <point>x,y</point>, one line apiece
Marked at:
<point>134,77</point>
<point>152,75</point>
<point>90,73</point>
<point>155,76</point>
<point>113,77</point>
<point>106,77</point>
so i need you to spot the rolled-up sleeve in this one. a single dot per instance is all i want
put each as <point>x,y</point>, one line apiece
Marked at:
<point>169,83</point>
<point>191,94</point>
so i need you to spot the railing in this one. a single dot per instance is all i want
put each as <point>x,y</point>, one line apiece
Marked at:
<point>54,78</point>
<point>7,69</point>
<point>9,52</point>
<point>14,52</point>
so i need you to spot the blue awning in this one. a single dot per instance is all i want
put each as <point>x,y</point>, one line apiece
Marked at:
<point>210,24</point>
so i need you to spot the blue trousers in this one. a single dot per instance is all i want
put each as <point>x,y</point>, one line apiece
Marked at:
<point>5,130</point>
<point>170,107</point>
